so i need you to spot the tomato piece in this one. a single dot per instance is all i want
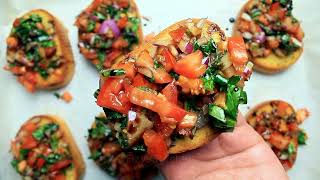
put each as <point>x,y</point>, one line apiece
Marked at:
<point>286,164</point>
<point>156,103</point>
<point>282,108</point>
<point>122,23</point>
<point>32,158</point>
<point>171,93</point>
<point>191,65</point>
<point>112,97</point>
<point>237,50</point>
<point>128,67</point>
<point>140,81</point>
<point>177,34</point>
<point>89,54</point>
<point>277,11</point>
<point>60,165</point>
<point>123,3</point>
<point>40,163</point>
<point>170,60</point>
<point>114,54</point>
<point>163,129</point>
<point>29,142</point>
<point>29,127</point>
<point>120,43</point>
<point>279,141</point>
<point>156,145</point>
<point>146,62</point>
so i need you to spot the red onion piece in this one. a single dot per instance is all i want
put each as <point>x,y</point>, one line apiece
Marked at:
<point>260,38</point>
<point>189,48</point>
<point>205,61</point>
<point>93,17</point>
<point>112,25</point>
<point>132,115</point>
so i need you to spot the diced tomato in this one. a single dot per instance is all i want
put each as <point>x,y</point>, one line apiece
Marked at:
<point>157,104</point>
<point>128,67</point>
<point>97,27</point>
<point>40,163</point>
<point>145,61</point>
<point>93,5</point>
<point>114,54</point>
<point>123,3</point>
<point>170,60</point>
<point>171,93</point>
<point>30,127</point>
<point>277,11</point>
<point>122,23</point>
<point>29,142</point>
<point>32,158</point>
<point>282,108</point>
<point>112,97</point>
<point>156,145</point>
<point>120,43</point>
<point>89,54</point>
<point>60,165</point>
<point>177,34</point>
<point>286,164</point>
<point>191,65</point>
<point>163,129</point>
<point>16,22</point>
<point>293,127</point>
<point>237,50</point>
<point>279,141</point>
<point>139,81</point>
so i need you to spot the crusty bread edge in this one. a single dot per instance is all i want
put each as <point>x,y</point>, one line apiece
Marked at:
<point>259,64</point>
<point>79,164</point>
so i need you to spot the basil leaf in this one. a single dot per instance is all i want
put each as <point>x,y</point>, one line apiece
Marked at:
<point>217,112</point>
<point>47,44</point>
<point>112,72</point>
<point>220,80</point>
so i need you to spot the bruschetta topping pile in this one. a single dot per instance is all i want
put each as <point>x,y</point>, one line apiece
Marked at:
<point>185,77</point>
<point>268,26</point>
<point>105,143</point>
<point>107,30</point>
<point>277,122</point>
<point>40,152</point>
<point>32,52</point>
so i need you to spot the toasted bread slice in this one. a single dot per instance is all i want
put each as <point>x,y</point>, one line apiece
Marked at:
<point>116,50</point>
<point>27,74</point>
<point>64,136</point>
<point>272,63</point>
<point>277,122</point>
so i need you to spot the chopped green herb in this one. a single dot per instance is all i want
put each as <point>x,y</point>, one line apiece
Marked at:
<point>112,115</point>
<point>100,130</point>
<point>44,170</point>
<point>99,15</point>
<point>91,26</point>
<point>255,13</point>
<point>206,49</point>
<point>47,44</point>
<point>139,148</point>
<point>53,158</point>
<point>23,153</point>
<point>302,137</point>
<point>39,133</point>
<point>112,72</point>
<point>95,155</point>
<point>157,64</point>
<point>190,104</point>
<point>217,112</point>
<point>123,140</point>
<point>124,123</point>
<point>174,75</point>
<point>285,39</point>
<point>111,10</point>
<point>54,142</point>
<point>57,95</point>
<point>291,148</point>
<point>14,164</point>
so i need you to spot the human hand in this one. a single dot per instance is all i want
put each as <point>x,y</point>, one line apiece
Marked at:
<point>242,154</point>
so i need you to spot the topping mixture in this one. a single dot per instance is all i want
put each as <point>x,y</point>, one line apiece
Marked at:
<point>107,30</point>
<point>268,26</point>
<point>190,79</point>
<point>278,125</point>
<point>40,151</point>
<point>32,50</point>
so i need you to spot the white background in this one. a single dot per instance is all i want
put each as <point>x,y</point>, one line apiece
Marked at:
<point>299,85</point>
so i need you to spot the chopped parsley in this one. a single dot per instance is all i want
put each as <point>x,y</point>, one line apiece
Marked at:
<point>100,130</point>
<point>91,25</point>
<point>23,153</point>
<point>291,148</point>
<point>95,155</point>
<point>112,72</point>
<point>54,142</point>
<point>53,158</point>
<point>46,129</point>
<point>206,49</point>
<point>302,137</point>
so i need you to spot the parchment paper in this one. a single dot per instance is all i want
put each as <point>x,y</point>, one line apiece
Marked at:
<point>299,85</point>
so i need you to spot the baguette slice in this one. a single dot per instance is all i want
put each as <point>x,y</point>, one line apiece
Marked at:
<point>271,64</point>
<point>277,122</point>
<point>71,173</point>
<point>57,77</point>
<point>114,52</point>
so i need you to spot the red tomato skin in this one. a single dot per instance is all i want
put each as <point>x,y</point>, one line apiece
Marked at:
<point>171,93</point>
<point>40,163</point>
<point>109,96</point>
<point>177,34</point>
<point>190,66</point>
<point>139,81</point>
<point>156,145</point>
<point>29,142</point>
<point>60,165</point>
<point>170,60</point>
<point>237,50</point>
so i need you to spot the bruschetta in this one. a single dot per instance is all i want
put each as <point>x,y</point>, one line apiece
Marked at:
<point>45,149</point>
<point>278,123</point>
<point>39,52</point>
<point>179,90</point>
<point>110,152</point>
<point>273,36</point>
<point>108,29</point>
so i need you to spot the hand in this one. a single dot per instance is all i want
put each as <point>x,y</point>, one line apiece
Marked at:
<point>242,154</point>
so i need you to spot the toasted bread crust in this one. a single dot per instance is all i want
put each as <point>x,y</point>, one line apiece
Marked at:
<point>63,48</point>
<point>79,165</point>
<point>271,64</point>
